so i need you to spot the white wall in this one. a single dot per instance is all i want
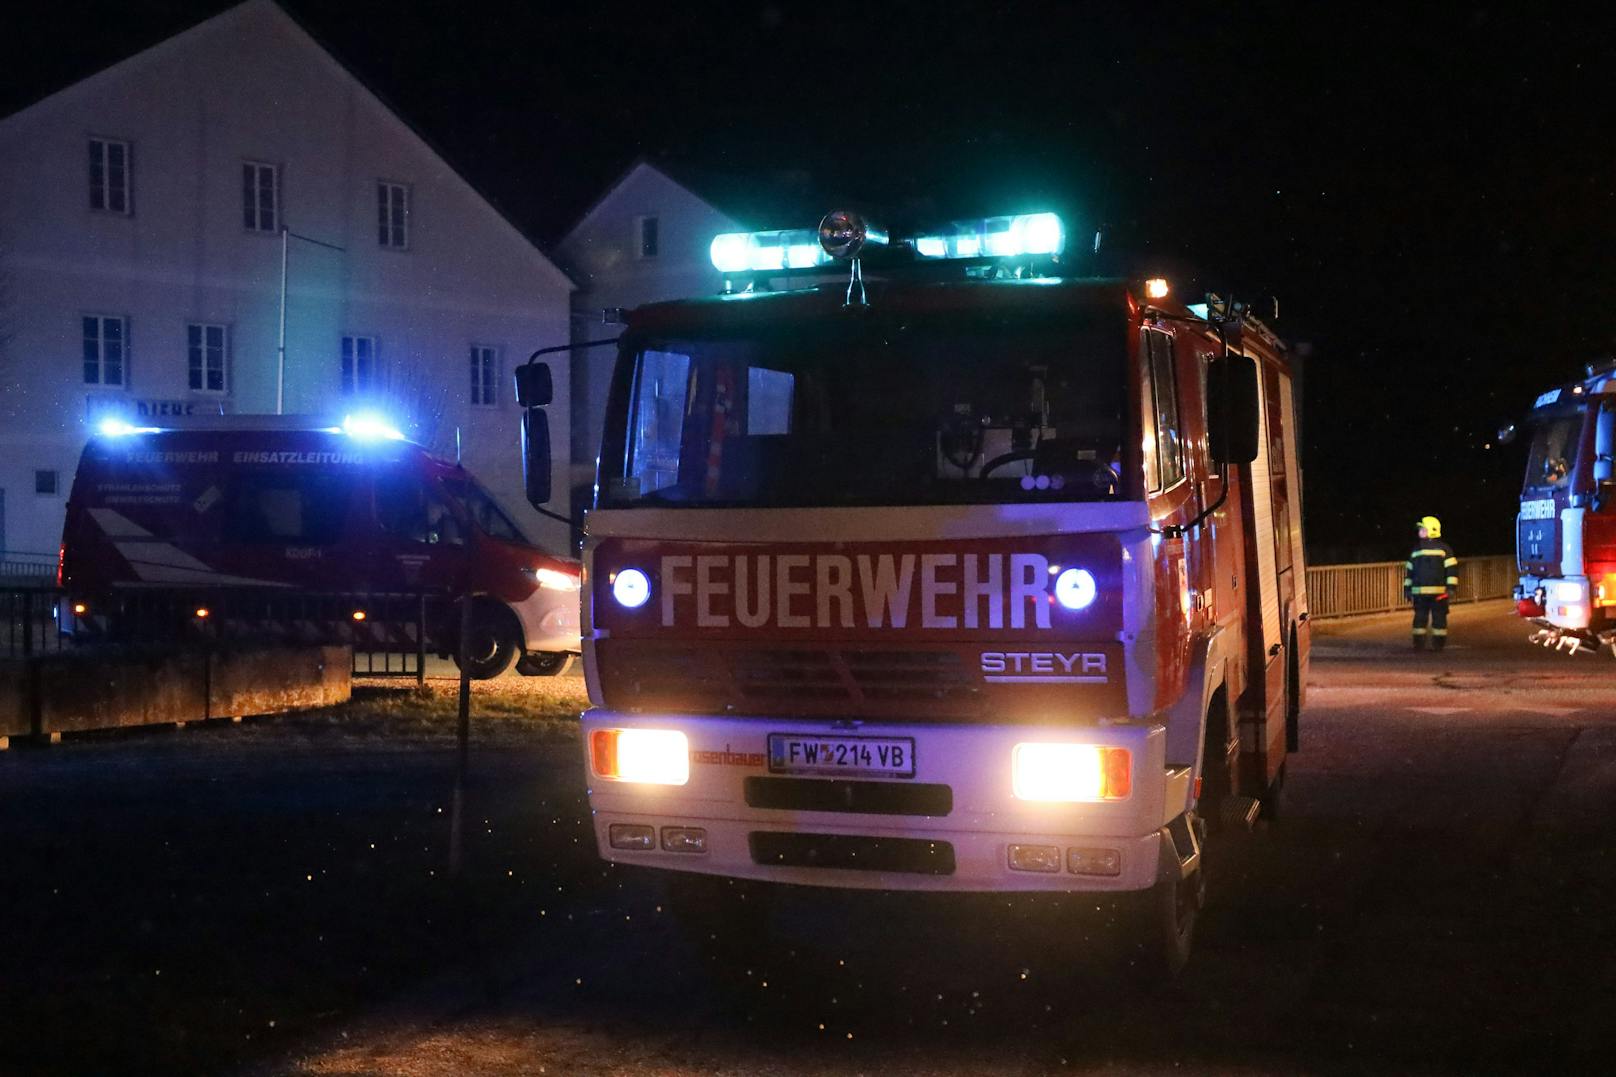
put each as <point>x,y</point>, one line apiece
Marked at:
<point>250,85</point>
<point>603,255</point>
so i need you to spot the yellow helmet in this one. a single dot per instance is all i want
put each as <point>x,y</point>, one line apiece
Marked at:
<point>1432,526</point>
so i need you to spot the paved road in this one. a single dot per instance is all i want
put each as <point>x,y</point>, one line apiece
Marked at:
<point>1436,896</point>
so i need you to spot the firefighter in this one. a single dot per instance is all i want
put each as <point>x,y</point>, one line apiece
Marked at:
<point>1430,577</point>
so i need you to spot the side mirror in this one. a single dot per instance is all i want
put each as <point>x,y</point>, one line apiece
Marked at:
<point>1231,409</point>
<point>536,455</point>
<point>533,386</point>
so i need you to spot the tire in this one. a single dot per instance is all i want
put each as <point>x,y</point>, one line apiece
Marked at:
<point>1161,921</point>
<point>493,645</point>
<point>544,663</point>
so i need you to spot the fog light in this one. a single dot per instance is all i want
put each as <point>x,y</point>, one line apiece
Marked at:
<point>1046,858</point>
<point>655,756</point>
<point>1094,861</point>
<point>631,588</point>
<point>684,839</point>
<point>631,836</point>
<point>1066,773</point>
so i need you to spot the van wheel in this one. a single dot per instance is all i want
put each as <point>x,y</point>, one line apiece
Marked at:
<point>544,663</point>
<point>492,646</point>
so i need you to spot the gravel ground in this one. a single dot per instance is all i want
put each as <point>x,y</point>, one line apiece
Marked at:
<point>189,901</point>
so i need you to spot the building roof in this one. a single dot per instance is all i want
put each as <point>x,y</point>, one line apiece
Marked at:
<point>240,14</point>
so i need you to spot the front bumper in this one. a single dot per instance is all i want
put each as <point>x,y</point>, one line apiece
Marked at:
<point>966,849</point>
<point>550,620</point>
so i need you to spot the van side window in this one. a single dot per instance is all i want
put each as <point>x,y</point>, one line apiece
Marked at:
<point>408,509</point>
<point>1168,467</point>
<point>290,507</point>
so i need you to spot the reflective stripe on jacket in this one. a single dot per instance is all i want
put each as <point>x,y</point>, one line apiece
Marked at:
<point>1431,569</point>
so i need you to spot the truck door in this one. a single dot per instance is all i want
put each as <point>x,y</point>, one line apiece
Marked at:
<point>1262,711</point>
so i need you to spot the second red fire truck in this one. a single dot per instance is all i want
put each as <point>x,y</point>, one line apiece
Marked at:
<point>970,576</point>
<point>1565,539</point>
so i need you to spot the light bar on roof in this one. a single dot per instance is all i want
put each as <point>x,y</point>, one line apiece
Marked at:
<point>762,252</point>
<point>996,237</point>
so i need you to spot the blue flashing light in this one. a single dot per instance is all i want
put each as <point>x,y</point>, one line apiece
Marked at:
<point>631,588</point>
<point>118,428</point>
<point>370,428</point>
<point>764,252</point>
<point>997,237</point>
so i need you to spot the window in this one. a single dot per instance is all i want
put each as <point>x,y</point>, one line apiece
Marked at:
<point>206,347</point>
<point>45,482</point>
<point>289,506</point>
<point>956,412</point>
<point>407,508</point>
<point>109,175</point>
<point>106,350</point>
<point>659,410</point>
<point>393,215</point>
<point>647,228</point>
<point>358,365</point>
<point>484,510</point>
<point>484,376</point>
<point>1164,467</point>
<point>260,197</point>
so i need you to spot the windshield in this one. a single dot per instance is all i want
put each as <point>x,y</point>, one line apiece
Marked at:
<point>1554,452</point>
<point>871,415</point>
<point>484,511</point>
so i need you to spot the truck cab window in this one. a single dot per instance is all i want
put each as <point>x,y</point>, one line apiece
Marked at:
<point>660,389</point>
<point>1554,452</point>
<point>1167,470</point>
<point>867,414</point>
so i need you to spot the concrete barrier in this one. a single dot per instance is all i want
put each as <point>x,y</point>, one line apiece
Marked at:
<point>83,690</point>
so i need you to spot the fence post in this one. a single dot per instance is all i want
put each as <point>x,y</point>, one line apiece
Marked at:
<point>420,641</point>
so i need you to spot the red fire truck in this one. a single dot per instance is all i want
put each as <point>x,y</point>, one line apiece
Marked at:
<point>266,502</point>
<point>969,576</point>
<point>1565,543</point>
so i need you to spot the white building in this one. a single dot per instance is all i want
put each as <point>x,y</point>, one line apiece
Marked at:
<point>141,233</point>
<point>646,239</point>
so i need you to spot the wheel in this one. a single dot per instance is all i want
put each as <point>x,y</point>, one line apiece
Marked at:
<point>544,663</point>
<point>1161,921</point>
<point>492,646</point>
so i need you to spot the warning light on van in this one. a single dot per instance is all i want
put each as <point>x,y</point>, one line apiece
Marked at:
<point>117,428</point>
<point>370,428</point>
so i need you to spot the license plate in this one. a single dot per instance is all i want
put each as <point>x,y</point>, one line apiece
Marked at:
<point>806,753</point>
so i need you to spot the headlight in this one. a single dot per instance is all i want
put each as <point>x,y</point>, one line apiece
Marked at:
<point>1067,773</point>
<point>553,580</point>
<point>654,756</point>
<point>1075,588</point>
<point>631,588</point>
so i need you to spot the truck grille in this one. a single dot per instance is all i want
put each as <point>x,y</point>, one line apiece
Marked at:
<point>932,684</point>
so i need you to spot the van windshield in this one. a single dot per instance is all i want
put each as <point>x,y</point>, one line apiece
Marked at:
<point>484,511</point>
<point>878,414</point>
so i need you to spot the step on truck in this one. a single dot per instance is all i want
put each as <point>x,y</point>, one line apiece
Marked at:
<point>1565,530</point>
<point>953,573</point>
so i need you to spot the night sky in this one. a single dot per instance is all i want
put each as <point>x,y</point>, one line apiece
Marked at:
<point>1430,196</point>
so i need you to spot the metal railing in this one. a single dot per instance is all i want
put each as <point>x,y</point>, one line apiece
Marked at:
<point>23,567</point>
<point>390,634</point>
<point>1348,590</point>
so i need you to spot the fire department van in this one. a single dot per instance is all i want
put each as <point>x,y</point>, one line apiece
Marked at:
<point>1565,538</point>
<point>343,509</point>
<point>968,576</point>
